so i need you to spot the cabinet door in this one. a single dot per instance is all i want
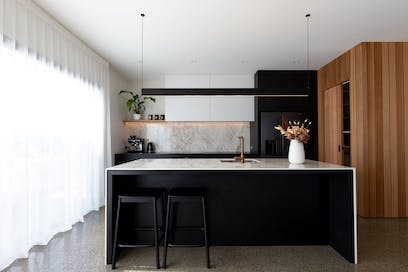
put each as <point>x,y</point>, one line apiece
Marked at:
<point>232,108</point>
<point>187,108</point>
<point>333,128</point>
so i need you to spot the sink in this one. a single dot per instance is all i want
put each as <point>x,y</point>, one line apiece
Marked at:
<point>246,160</point>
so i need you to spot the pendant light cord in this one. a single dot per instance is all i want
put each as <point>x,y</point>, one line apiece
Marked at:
<point>142,15</point>
<point>307,50</point>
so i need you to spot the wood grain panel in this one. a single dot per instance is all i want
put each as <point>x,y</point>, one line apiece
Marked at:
<point>372,130</point>
<point>335,72</point>
<point>378,73</point>
<point>376,127</point>
<point>359,125</point>
<point>400,126</point>
<point>394,129</point>
<point>320,115</point>
<point>333,124</point>
<point>405,150</point>
<point>328,76</point>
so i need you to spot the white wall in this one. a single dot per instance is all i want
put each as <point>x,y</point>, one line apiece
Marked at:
<point>118,110</point>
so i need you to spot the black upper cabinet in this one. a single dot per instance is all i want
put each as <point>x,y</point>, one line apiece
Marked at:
<point>286,82</point>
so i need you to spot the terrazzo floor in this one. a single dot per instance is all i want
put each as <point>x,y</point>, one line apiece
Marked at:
<point>383,246</point>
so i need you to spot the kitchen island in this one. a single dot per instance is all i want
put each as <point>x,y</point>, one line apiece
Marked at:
<point>268,202</point>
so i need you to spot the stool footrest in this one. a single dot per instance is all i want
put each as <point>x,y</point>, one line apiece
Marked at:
<point>188,228</point>
<point>136,245</point>
<point>189,245</point>
<point>146,229</point>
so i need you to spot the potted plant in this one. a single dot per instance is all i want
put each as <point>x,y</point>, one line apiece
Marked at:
<point>136,103</point>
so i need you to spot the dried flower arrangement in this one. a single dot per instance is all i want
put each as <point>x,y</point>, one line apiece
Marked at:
<point>296,131</point>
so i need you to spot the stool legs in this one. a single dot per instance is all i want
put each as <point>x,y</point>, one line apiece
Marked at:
<point>207,249</point>
<point>163,219</point>
<point>135,200</point>
<point>166,233</point>
<point>169,213</point>
<point>156,242</point>
<point>115,239</point>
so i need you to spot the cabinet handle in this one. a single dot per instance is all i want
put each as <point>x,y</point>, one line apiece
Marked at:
<point>339,148</point>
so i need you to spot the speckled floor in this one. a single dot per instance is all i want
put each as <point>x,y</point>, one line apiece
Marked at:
<point>383,246</point>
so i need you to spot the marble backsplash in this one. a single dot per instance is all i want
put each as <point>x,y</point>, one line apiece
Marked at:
<point>192,137</point>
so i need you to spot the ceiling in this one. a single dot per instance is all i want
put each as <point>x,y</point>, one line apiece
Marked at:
<point>226,36</point>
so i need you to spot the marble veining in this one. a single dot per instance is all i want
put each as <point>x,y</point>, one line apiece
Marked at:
<point>193,137</point>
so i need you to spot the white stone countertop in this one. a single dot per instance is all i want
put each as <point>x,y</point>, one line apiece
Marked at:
<point>216,164</point>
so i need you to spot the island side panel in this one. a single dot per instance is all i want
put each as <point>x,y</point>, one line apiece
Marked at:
<point>109,218</point>
<point>342,214</point>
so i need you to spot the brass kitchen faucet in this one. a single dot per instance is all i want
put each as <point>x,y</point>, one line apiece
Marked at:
<point>241,158</point>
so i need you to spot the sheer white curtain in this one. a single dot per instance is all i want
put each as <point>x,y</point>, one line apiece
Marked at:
<point>54,129</point>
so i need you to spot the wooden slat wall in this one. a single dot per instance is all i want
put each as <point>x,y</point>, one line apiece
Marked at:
<point>379,124</point>
<point>329,76</point>
<point>376,127</point>
<point>333,124</point>
<point>359,125</point>
<point>336,72</point>
<point>320,115</point>
<point>405,94</point>
<point>379,106</point>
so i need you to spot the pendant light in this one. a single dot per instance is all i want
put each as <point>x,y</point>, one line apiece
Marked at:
<point>308,50</point>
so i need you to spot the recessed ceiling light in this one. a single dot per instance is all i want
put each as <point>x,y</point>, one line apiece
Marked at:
<point>193,61</point>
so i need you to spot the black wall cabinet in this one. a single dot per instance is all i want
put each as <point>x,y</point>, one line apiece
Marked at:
<point>286,82</point>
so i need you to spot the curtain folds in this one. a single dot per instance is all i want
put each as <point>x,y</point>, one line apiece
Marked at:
<point>55,132</point>
<point>26,25</point>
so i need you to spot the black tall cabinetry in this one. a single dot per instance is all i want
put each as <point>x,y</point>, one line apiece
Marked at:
<point>295,100</point>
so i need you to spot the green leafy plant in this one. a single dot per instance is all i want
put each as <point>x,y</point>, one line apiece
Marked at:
<point>137,102</point>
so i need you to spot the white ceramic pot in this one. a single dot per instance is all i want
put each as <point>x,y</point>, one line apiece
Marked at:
<point>136,116</point>
<point>296,152</point>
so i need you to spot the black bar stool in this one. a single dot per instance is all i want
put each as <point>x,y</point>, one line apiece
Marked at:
<point>145,196</point>
<point>182,195</point>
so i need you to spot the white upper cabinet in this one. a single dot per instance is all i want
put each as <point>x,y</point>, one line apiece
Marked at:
<point>187,108</point>
<point>209,108</point>
<point>232,108</point>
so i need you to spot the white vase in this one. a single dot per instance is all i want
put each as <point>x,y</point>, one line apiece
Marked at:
<point>136,116</point>
<point>296,152</point>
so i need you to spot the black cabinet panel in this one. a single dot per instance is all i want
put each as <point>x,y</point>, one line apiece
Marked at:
<point>294,104</point>
<point>290,82</point>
